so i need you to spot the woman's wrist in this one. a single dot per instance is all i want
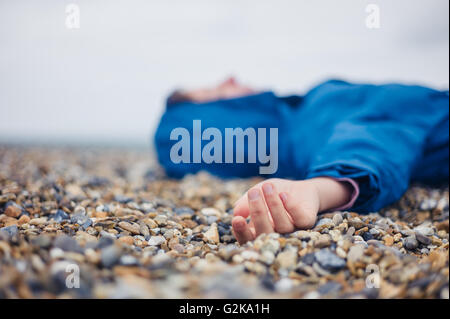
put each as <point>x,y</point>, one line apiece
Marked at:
<point>331,193</point>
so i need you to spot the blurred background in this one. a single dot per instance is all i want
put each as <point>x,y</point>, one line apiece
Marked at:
<point>105,82</point>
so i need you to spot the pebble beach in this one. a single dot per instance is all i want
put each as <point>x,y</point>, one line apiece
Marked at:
<point>107,223</point>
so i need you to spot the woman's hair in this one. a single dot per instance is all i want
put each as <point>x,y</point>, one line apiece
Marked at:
<point>177,96</point>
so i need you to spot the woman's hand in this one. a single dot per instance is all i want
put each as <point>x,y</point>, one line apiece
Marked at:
<point>282,206</point>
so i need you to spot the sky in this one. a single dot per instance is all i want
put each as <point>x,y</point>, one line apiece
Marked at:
<point>106,81</point>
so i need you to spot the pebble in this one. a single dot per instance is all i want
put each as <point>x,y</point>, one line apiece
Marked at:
<point>337,219</point>
<point>411,243</point>
<point>323,241</point>
<point>328,260</point>
<point>428,204</point>
<point>128,260</point>
<point>367,236</point>
<point>329,287</point>
<point>287,259</point>
<point>110,255</point>
<point>156,240</point>
<point>424,230</point>
<point>60,215</point>
<point>79,217</point>
<point>351,231</point>
<point>67,243</point>
<point>24,219</point>
<point>212,234</point>
<point>443,226</point>
<point>284,285</point>
<point>13,210</point>
<point>324,221</point>
<point>423,239</point>
<point>10,231</point>
<point>308,259</point>
<point>126,240</point>
<point>356,222</point>
<point>210,211</point>
<point>143,229</point>
<point>267,257</point>
<point>341,252</point>
<point>42,241</point>
<point>38,221</point>
<point>355,253</point>
<point>161,220</point>
<point>132,228</point>
<point>184,210</point>
<point>250,255</point>
<point>388,240</point>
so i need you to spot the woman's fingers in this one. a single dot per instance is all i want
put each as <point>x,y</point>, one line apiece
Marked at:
<point>258,212</point>
<point>241,207</point>
<point>281,221</point>
<point>272,211</point>
<point>303,216</point>
<point>241,230</point>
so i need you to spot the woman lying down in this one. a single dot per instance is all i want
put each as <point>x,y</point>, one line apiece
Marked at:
<point>341,146</point>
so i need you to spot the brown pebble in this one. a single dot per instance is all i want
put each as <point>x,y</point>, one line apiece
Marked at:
<point>436,241</point>
<point>24,219</point>
<point>443,225</point>
<point>13,211</point>
<point>356,223</point>
<point>100,214</point>
<point>212,235</point>
<point>361,231</point>
<point>132,228</point>
<point>126,240</point>
<point>388,240</point>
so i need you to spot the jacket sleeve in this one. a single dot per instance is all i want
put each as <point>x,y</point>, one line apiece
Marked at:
<point>379,146</point>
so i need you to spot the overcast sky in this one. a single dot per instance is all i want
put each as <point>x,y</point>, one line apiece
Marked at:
<point>106,81</point>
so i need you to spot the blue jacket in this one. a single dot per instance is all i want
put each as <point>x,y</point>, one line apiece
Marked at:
<point>382,136</point>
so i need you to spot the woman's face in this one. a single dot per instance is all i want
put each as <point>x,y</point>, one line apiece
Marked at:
<point>229,88</point>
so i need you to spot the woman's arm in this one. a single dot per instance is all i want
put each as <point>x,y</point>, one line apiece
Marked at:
<point>331,192</point>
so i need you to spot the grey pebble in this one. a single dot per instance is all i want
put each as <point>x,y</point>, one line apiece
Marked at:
<point>411,243</point>
<point>328,260</point>
<point>59,216</point>
<point>337,219</point>
<point>424,230</point>
<point>128,260</point>
<point>423,239</point>
<point>79,218</point>
<point>428,204</point>
<point>104,241</point>
<point>43,241</point>
<point>67,243</point>
<point>110,256</point>
<point>329,287</point>
<point>156,240</point>
<point>351,231</point>
<point>184,210</point>
<point>324,221</point>
<point>10,231</point>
